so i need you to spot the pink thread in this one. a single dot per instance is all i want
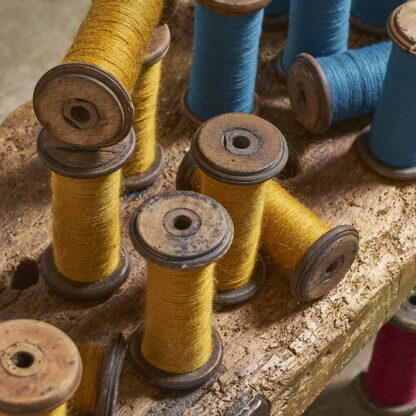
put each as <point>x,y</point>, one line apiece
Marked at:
<point>391,376</point>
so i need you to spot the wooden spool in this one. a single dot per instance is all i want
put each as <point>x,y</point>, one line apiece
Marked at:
<point>80,164</point>
<point>310,94</point>
<point>405,320</point>
<point>156,51</point>
<point>240,149</point>
<point>181,231</point>
<point>367,27</point>
<point>401,28</point>
<point>40,367</point>
<point>227,8</point>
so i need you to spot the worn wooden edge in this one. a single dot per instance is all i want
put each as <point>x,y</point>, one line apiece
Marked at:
<point>158,47</point>
<point>233,8</point>
<point>403,37</point>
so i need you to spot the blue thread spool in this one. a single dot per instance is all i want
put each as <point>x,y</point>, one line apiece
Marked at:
<point>318,27</point>
<point>224,64</point>
<point>276,15</point>
<point>337,87</point>
<point>390,147</point>
<point>371,16</point>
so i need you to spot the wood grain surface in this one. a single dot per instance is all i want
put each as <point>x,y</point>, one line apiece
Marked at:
<point>275,345</point>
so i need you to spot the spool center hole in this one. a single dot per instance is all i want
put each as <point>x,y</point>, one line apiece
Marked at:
<point>241,142</point>
<point>22,359</point>
<point>80,114</point>
<point>412,300</point>
<point>182,222</point>
<point>330,271</point>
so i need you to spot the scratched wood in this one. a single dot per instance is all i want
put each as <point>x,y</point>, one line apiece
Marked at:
<point>287,350</point>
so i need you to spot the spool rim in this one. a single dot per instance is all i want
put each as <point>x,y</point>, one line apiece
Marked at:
<point>276,22</point>
<point>169,10</point>
<point>376,406</point>
<point>325,263</point>
<point>397,32</point>
<point>246,292</point>
<point>377,165</point>
<point>310,94</point>
<point>109,377</point>
<point>52,343</point>
<point>158,47</point>
<point>121,105</point>
<point>233,8</point>
<point>215,152</point>
<point>367,27</point>
<point>278,66</point>
<point>405,317</point>
<point>195,121</point>
<point>94,164</point>
<point>171,381</point>
<point>79,291</point>
<point>149,176</point>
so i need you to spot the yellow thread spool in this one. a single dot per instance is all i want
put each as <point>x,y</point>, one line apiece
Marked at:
<point>85,101</point>
<point>85,260</point>
<point>41,361</point>
<point>238,154</point>
<point>181,235</point>
<point>146,163</point>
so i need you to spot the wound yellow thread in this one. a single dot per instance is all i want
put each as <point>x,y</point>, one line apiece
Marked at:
<point>115,35</point>
<point>92,357</point>
<point>245,204</point>
<point>59,411</point>
<point>145,98</point>
<point>86,226</point>
<point>177,336</point>
<point>289,228</point>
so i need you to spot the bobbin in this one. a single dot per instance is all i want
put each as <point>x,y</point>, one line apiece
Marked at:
<point>156,51</point>
<point>82,164</point>
<point>40,367</point>
<point>240,149</point>
<point>402,31</point>
<point>227,8</point>
<point>405,320</point>
<point>189,231</point>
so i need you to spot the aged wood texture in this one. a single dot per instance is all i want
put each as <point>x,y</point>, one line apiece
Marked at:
<point>275,345</point>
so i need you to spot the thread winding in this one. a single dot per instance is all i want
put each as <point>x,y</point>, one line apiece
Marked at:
<point>224,63</point>
<point>356,79</point>
<point>178,334</point>
<point>86,226</point>
<point>374,11</point>
<point>289,228</point>
<point>145,97</point>
<point>245,204</point>
<point>391,376</point>
<point>319,28</point>
<point>277,7</point>
<point>115,35</point>
<point>393,130</point>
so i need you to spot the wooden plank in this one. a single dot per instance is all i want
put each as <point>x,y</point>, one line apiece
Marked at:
<point>274,345</point>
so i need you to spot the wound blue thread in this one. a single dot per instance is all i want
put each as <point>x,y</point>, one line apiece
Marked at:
<point>393,130</point>
<point>356,79</point>
<point>317,27</point>
<point>224,63</point>
<point>277,7</point>
<point>374,11</point>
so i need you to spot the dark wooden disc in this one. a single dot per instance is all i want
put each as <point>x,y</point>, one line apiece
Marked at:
<point>367,27</point>
<point>405,317</point>
<point>76,163</point>
<point>375,406</point>
<point>377,165</point>
<point>310,94</point>
<point>233,7</point>
<point>171,381</point>
<point>83,105</point>
<point>246,292</point>
<point>402,27</point>
<point>278,66</point>
<point>181,230</point>
<point>40,367</point>
<point>169,10</point>
<point>80,291</point>
<point>109,378</point>
<point>138,182</point>
<point>195,121</point>
<point>240,149</point>
<point>276,22</point>
<point>158,47</point>
<point>325,264</point>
